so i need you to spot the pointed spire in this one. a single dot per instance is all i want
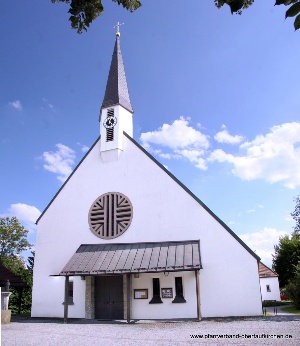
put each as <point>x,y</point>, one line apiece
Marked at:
<point>116,92</point>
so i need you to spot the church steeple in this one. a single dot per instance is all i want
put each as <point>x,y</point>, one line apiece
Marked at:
<point>116,110</point>
<point>116,92</point>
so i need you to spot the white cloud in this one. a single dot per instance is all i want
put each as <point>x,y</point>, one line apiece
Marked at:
<point>225,137</point>
<point>60,161</point>
<point>48,104</point>
<point>176,135</point>
<point>17,105</point>
<point>84,148</point>
<point>274,157</point>
<point>263,242</point>
<point>26,214</point>
<point>183,140</point>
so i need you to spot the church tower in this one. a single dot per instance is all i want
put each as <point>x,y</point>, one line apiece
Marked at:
<point>116,110</point>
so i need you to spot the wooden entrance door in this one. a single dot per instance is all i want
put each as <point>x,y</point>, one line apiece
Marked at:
<point>109,302</point>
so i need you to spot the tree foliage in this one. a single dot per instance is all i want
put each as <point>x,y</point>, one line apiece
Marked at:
<point>20,299</point>
<point>296,215</point>
<point>83,12</point>
<point>287,256</point>
<point>292,290</point>
<point>13,240</point>
<point>237,6</point>
<point>12,237</point>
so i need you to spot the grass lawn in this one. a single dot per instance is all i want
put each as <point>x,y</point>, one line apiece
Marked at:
<point>291,309</point>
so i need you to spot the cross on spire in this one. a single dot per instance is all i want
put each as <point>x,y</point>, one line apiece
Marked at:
<point>118,28</point>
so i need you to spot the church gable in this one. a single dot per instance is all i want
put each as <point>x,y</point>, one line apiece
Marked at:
<point>152,199</point>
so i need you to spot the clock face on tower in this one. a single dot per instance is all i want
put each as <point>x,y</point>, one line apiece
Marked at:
<point>110,122</point>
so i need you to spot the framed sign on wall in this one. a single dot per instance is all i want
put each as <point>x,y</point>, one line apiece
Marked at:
<point>141,293</point>
<point>167,292</point>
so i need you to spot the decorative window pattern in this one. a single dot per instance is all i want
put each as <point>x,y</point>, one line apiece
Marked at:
<point>110,215</point>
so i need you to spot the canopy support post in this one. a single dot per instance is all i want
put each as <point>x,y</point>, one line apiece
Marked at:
<point>128,295</point>
<point>199,317</point>
<point>66,305</point>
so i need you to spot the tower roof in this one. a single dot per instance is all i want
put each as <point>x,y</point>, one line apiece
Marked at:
<point>116,92</point>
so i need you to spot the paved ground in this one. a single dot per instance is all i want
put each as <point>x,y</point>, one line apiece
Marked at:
<point>272,330</point>
<point>277,311</point>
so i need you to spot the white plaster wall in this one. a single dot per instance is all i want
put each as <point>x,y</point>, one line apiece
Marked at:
<point>162,211</point>
<point>49,297</point>
<point>274,285</point>
<point>141,309</point>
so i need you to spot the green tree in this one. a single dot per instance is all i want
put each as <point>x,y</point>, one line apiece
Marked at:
<point>20,299</point>
<point>30,261</point>
<point>237,6</point>
<point>13,237</point>
<point>296,215</point>
<point>287,256</point>
<point>83,12</point>
<point>293,287</point>
<point>13,240</point>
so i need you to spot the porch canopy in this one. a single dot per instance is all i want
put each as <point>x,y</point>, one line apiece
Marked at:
<point>103,259</point>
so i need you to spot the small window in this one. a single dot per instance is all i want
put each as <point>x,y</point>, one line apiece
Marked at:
<point>268,288</point>
<point>179,298</point>
<point>156,292</point>
<point>70,293</point>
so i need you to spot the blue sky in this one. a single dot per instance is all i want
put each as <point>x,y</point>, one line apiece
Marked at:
<point>216,100</point>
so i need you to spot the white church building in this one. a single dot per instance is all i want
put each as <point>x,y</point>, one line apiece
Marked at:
<point>123,238</point>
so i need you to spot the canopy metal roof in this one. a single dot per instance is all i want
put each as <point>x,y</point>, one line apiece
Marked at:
<point>100,259</point>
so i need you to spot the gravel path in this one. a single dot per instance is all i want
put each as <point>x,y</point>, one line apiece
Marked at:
<point>35,332</point>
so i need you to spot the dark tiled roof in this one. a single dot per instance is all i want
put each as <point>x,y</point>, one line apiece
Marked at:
<point>265,272</point>
<point>108,258</point>
<point>116,92</point>
<point>6,274</point>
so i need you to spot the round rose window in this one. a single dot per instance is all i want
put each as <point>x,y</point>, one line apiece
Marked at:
<point>110,215</point>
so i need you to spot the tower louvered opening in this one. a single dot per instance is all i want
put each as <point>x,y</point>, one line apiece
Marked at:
<point>109,135</point>
<point>110,215</point>
<point>110,112</point>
